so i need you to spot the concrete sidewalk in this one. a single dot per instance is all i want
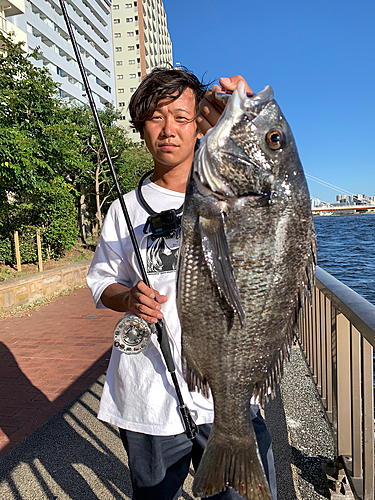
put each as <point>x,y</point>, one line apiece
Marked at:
<point>55,448</point>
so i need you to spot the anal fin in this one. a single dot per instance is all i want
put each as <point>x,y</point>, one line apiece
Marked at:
<point>195,380</point>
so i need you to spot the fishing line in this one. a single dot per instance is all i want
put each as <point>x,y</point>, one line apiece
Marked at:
<point>327,184</point>
<point>129,332</point>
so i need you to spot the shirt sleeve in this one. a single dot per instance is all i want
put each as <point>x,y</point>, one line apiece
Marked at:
<point>109,264</point>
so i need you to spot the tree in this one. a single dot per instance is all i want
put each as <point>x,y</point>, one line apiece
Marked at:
<point>129,160</point>
<point>37,146</point>
<point>45,144</point>
<point>33,145</point>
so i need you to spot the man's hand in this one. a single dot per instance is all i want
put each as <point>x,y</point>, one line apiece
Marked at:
<point>139,300</point>
<point>142,303</point>
<point>210,108</point>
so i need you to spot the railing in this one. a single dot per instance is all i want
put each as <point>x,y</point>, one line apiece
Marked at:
<point>3,25</point>
<point>337,335</point>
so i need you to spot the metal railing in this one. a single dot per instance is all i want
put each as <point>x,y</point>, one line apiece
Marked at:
<point>337,335</point>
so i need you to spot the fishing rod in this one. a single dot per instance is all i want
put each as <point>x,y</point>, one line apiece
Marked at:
<point>189,424</point>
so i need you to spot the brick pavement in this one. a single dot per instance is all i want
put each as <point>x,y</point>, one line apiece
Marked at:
<point>48,357</point>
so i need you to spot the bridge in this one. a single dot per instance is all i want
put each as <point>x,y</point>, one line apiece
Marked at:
<point>356,208</point>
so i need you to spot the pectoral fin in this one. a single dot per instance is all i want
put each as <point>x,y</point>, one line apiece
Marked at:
<point>217,256</point>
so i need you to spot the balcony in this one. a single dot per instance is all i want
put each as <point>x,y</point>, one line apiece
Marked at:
<point>12,7</point>
<point>7,27</point>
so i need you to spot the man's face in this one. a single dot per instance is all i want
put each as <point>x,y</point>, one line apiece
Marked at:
<point>171,133</point>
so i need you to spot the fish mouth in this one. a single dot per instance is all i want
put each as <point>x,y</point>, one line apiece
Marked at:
<point>205,189</point>
<point>214,149</point>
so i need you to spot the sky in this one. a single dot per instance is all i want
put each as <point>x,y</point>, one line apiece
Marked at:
<point>319,58</point>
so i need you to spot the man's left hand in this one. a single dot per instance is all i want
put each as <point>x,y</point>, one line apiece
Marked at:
<point>210,108</point>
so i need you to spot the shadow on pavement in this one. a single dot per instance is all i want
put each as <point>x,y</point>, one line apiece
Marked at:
<point>276,424</point>
<point>73,456</point>
<point>21,401</point>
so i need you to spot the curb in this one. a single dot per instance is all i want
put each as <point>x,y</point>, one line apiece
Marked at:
<point>25,291</point>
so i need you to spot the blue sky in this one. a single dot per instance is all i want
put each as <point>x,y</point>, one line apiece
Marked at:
<point>319,57</point>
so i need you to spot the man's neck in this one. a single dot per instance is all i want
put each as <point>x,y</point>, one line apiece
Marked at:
<point>174,179</point>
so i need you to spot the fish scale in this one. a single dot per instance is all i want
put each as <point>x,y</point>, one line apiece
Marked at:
<point>246,262</point>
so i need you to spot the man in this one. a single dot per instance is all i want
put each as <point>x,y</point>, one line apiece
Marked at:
<point>138,395</point>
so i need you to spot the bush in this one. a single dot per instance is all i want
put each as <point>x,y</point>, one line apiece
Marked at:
<point>6,254</point>
<point>57,218</point>
<point>52,211</point>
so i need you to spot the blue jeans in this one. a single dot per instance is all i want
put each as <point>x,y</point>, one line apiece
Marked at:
<point>159,465</point>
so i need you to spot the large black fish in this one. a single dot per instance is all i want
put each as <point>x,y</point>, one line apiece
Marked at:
<point>246,260</point>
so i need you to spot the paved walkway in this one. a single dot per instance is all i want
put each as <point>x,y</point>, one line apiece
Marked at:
<point>52,365</point>
<point>47,358</point>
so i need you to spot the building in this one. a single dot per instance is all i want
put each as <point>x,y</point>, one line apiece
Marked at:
<point>8,10</point>
<point>43,23</point>
<point>141,42</point>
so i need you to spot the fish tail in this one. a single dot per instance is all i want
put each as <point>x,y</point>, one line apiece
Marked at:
<point>232,462</point>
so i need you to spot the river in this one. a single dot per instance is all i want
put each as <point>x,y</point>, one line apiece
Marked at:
<point>346,249</point>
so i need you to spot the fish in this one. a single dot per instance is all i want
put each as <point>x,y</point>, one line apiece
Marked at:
<point>246,264</point>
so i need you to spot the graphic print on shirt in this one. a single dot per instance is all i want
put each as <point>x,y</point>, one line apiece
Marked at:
<point>162,254</point>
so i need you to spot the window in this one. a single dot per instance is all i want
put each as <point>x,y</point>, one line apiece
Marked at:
<point>118,63</point>
<point>120,91</point>
<point>133,89</point>
<point>121,104</point>
<point>128,6</point>
<point>132,75</point>
<point>115,7</point>
<point>120,77</point>
<point>117,35</point>
<point>128,20</point>
<point>131,61</point>
<point>116,21</point>
<point>130,47</point>
<point>130,33</point>
<point>118,49</point>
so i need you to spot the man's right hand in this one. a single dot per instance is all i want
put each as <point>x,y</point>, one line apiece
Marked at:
<point>139,300</point>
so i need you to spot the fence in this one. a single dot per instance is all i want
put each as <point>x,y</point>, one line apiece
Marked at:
<point>18,254</point>
<point>337,335</point>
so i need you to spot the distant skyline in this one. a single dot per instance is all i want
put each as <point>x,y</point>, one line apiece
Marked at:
<point>318,58</point>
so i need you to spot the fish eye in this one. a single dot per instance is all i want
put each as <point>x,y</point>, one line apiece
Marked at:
<point>275,139</point>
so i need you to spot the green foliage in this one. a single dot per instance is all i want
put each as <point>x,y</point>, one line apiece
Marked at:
<point>57,216</point>
<point>131,165</point>
<point>37,142</point>
<point>52,211</point>
<point>52,161</point>
<point>6,253</point>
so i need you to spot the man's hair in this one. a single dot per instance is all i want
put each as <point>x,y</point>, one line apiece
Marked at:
<point>162,83</point>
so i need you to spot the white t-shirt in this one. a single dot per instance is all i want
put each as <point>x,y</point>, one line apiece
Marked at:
<point>138,394</point>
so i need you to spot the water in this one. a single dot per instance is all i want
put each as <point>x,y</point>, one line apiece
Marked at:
<point>346,249</point>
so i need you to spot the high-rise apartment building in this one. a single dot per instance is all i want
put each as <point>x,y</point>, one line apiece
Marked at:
<point>44,25</point>
<point>8,10</point>
<point>141,42</point>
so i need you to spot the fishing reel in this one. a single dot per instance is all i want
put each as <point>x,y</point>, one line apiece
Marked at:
<point>132,334</point>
